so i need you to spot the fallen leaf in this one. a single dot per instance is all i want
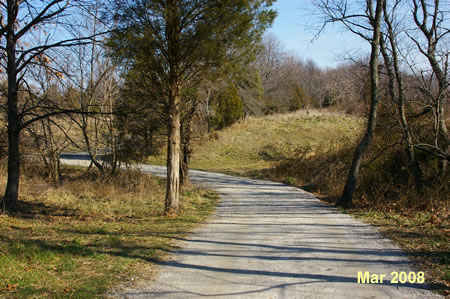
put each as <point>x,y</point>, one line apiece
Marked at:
<point>67,290</point>
<point>11,286</point>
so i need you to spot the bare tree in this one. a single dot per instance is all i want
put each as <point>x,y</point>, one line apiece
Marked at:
<point>95,83</point>
<point>365,22</point>
<point>269,61</point>
<point>27,31</point>
<point>49,134</point>
<point>391,56</point>
<point>50,140</point>
<point>311,79</point>
<point>430,19</point>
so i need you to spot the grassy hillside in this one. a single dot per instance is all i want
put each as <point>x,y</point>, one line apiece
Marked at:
<point>259,143</point>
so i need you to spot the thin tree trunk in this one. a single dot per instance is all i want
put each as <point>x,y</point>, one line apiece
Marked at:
<point>347,196</point>
<point>444,142</point>
<point>394,73</point>
<point>12,186</point>
<point>185,164</point>
<point>91,152</point>
<point>52,152</point>
<point>442,135</point>
<point>55,172</point>
<point>173,154</point>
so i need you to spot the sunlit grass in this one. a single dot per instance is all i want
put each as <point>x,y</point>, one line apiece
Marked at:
<point>259,143</point>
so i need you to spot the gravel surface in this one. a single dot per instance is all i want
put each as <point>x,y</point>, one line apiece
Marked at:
<point>269,240</point>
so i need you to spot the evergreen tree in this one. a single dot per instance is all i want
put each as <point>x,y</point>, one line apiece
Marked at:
<point>229,108</point>
<point>178,42</point>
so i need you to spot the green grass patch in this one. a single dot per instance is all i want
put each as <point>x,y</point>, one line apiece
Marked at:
<point>85,237</point>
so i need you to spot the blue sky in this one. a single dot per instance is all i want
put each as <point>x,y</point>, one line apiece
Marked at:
<point>291,27</point>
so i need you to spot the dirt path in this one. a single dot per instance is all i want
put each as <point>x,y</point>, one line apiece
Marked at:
<point>269,240</point>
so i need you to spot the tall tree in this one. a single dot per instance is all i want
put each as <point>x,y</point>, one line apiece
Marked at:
<point>375,21</point>
<point>179,42</point>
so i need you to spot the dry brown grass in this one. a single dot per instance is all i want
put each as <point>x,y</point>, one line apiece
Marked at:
<point>85,236</point>
<point>259,143</point>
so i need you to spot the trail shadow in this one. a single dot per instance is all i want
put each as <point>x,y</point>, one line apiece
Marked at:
<point>135,251</point>
<point>181,291</point>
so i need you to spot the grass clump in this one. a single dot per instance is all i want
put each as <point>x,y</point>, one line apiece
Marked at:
<point>85,236</point>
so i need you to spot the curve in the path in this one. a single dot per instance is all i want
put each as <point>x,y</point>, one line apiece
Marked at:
<point>269,240</point>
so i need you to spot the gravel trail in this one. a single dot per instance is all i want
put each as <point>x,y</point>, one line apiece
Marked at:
<point>269,240</point>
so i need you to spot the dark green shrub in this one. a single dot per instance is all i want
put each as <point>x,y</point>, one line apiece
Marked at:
<point>228,108</point>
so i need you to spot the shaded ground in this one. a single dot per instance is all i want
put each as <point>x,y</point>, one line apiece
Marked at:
<point>269,240</point>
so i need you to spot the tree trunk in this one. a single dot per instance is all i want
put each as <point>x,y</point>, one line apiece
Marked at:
<point>186,154</point>
<point>347,196</point>
<point>185,165</point>
<point>12,186</point>
<point>443,141</point>
<point>394,73</point>
<point>173,153</point>
<point>173,35</point>
<point>92,152</point>
<point>54,167</point>
<point>443,138</point>
<point>414,165</point>
<point>442,133</point>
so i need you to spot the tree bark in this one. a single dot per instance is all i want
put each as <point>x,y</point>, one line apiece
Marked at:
<point>442,134</point>
<point>173,35</point>
<point>186,154</point>
<point>92,152</point>
<point>346,199</point>
<point>12,186</point>
<point>443,139</point>
<point>173,153</point>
